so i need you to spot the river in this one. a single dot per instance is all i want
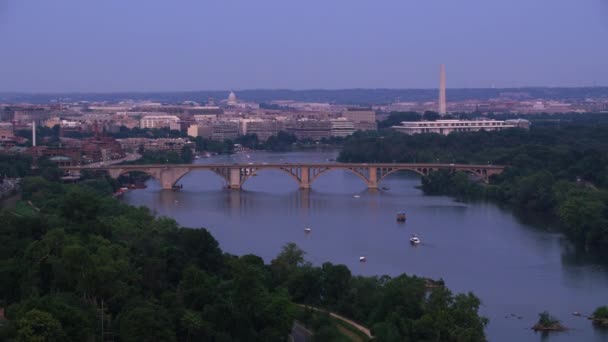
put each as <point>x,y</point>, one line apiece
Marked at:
<point>517,269</point>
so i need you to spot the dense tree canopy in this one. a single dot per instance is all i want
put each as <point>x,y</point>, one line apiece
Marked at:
<point>74,257</point>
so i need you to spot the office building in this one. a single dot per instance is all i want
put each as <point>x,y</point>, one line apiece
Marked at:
<point>224,130</point>
<point>309,129</point>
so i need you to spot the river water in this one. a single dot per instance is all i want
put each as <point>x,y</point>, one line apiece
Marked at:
<point>517,269</point>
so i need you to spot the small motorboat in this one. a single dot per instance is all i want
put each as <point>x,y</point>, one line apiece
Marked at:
<point>362,259</point>
<point>307,230</point>
<point>414,240</point>
<point>356,196</point>
<point>401,216</point>
<point>385,188</point>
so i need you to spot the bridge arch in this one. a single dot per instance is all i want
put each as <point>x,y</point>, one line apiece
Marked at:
<point>356,172</point>
<point>249,173</point>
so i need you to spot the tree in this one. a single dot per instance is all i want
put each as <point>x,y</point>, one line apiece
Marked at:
<point>145,322</point>
<point>187,155</point>
<point>601,312</point>
<point>431,116</point>
<point>286,262</point>
<point>39,326</point>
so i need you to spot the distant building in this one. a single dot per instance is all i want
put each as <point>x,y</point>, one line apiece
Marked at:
<point>6,130</point>
<point>223,130</point>
<point>200,130</point>
<point>101,148</point>
<point>265,129</point>
<point>359,114</point>
<point>342,127</point>
<point>161,144</point>
<point>159,121</point>
<point>446,127</point>
<point>363,118</point>
<point>309,129</point>
<point>232,101</point>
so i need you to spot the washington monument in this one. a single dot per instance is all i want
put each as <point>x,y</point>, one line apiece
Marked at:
<point>442,104</point>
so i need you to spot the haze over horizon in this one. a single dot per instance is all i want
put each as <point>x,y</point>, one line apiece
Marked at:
<point>142,46</point>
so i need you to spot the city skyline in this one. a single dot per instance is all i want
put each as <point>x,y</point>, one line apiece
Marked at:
<point>67,46</point>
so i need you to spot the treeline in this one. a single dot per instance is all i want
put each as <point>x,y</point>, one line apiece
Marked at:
<point>75,260</point>
<point>559,171</point>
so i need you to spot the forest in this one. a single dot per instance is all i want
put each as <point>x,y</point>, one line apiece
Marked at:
<point>76,264</point>
<point>554,170</point>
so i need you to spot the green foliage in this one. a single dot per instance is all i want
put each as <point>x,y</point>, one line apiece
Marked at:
<point>601,312</point>
<point>15,166</point>
<point>396,118</point>
<point>208,145</point>
<point>82,256</point>
<point>545,319</point>
<point>39,326</point>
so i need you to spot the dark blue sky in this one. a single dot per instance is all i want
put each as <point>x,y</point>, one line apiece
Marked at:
<point>169,45</point>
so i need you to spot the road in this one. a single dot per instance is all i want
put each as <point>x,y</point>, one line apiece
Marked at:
<point>359,327</point>
<point>128,157</point>
<point>299,333</point>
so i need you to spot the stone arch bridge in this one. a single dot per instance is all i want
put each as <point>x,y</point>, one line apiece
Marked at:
<point>235,175</point>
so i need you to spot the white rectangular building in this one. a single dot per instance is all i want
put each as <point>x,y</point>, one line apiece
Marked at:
<point>446,127</point>
<point>158,121</point>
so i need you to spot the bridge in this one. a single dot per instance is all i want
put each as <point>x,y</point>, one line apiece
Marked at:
<point>235,175</point>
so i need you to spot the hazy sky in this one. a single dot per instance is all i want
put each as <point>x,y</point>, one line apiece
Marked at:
<point>169,45</point>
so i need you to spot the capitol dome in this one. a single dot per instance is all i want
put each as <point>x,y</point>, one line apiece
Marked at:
<point>232,99</point>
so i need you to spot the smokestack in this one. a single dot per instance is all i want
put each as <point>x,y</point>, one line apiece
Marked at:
<point>33,132</point>
<point>442,103</point>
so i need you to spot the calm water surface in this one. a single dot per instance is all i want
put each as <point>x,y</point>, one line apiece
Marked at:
<point>517,270</point>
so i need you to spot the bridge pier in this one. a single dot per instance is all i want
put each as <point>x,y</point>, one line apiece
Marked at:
<point>235,178</point>
<point>304,177</point>
<point>168,177</point>
<point>372,181</point>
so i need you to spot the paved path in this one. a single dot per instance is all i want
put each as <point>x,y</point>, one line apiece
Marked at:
<point>359,327</point>
<point>299,333</point>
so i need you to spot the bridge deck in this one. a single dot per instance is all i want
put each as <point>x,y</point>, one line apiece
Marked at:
<point>280,165</point>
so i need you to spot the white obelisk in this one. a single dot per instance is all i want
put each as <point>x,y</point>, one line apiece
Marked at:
<point>442,103</point>
<point>33,132</point>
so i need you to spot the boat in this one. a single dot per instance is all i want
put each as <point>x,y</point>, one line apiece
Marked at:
<point>414,240</point>
<point>362,259</point>
<point>385,188</point>
<point>401,216</point>
<point>177,187</point>
<point>307,230</point>
<point>356,196</point>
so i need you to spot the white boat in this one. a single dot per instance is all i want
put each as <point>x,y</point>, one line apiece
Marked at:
<point>414,240</point>
<point>362,259</point>
<point>307,230</point>
<point>356,196</point>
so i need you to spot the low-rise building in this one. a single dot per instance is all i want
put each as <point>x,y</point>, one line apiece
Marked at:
<point>342,127</point>
<point>359,115</point>
<point>159,121</point>
<point>160,144</point>
<point>446,127</point>
<point>6,130</point>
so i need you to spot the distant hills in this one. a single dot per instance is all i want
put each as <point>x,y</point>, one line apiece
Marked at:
<point>340,96</point>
